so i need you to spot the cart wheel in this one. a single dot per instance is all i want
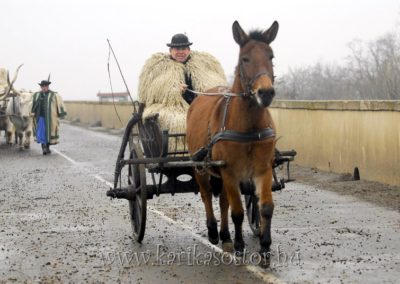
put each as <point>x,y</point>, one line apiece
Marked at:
<point>137,207</point>
<point>253,213</point>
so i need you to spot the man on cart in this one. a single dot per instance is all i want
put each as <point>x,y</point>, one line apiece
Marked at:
<point>167,82</point>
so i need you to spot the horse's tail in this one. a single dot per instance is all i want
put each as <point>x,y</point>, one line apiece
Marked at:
<point>216,185</point>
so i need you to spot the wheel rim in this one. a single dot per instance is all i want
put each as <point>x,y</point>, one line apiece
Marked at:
<point>137,207</point>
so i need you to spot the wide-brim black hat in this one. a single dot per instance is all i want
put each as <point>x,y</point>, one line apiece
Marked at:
<point>179,40</point>
<point>44,83</point>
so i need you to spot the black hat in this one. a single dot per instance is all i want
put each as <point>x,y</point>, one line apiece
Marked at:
<point>179,40</point>
<point>44,83</point>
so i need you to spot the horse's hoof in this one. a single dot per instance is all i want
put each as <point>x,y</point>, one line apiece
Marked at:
<point>265,259</point>
<point>214,241</point>
<point>213,236</point>
<point>239,253</point>
<point>27,147</point>
<point>265,263</point>
<point>239,248</point>
<point>228,247</point>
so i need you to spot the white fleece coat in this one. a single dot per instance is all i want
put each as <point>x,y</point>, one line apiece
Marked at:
<point>159,85</point>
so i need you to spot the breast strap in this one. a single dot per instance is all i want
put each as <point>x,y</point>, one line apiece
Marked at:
<point>231,135</point>
<point>244,137</point>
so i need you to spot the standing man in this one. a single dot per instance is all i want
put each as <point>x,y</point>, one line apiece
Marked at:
<point>47,108</point>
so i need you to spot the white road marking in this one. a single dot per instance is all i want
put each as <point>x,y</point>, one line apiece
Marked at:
<point>257,271</point>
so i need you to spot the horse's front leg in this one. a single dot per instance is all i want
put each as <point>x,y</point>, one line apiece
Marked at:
<point>231,187</point>
<point>206,196</point>
<point>266,205</point>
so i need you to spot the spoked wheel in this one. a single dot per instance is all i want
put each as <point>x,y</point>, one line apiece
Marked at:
<point>138,206</point>
<point>252,210</point>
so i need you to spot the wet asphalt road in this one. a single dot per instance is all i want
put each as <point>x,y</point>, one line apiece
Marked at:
<point>58,226</point>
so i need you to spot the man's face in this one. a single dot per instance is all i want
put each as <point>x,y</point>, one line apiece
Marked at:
<point>45,88</point>
<point>180,54</point>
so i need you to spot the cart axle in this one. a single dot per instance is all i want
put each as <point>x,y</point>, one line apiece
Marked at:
<point>170,187</point>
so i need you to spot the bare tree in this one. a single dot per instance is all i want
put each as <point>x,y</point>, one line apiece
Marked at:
<point>371,71</point>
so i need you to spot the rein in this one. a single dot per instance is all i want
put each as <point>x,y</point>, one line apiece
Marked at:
<point>247,85</point>
<point>225,94</point>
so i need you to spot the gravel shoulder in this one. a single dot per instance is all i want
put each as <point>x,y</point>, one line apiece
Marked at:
<point>380,194</point>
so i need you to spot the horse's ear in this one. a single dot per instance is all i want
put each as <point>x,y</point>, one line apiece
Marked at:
<point>238,34</point>
<point>270,34</point>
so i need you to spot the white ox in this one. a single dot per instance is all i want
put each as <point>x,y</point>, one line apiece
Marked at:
<point>15,109</point>
<point>5,123</point>
<point>19,109</point>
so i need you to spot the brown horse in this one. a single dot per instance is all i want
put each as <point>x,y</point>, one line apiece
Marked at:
<point>237,128</point>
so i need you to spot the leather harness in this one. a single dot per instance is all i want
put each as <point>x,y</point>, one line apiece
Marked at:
<point>232,135</point>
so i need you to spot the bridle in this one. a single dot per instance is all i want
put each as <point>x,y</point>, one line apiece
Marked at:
<point>248,92</point>
<point>249,84</point>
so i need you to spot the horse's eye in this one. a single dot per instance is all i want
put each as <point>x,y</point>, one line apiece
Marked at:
<point>271,57</point>
<point>245,59</point>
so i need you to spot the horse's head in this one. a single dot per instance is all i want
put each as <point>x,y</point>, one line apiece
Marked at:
<point>255,68</point>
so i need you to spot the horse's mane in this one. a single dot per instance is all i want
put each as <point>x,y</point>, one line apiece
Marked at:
<point>257,35</point>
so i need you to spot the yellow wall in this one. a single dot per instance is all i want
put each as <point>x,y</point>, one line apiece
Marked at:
<point>341,135</point>
<point>104,112</point>
<point>330,135</point>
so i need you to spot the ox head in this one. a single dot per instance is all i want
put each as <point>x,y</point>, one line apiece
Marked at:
<point>21,104</point>
<point>255,67</point>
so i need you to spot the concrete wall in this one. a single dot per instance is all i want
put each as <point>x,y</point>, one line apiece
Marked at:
<point>330,135</point>
<point>103,112</point>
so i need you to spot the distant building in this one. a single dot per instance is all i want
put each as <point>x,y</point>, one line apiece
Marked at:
<point>116,97</point>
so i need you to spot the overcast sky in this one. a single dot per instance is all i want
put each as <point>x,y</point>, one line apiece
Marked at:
<point>67,38</point>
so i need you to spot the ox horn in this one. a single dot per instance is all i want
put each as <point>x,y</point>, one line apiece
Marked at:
<point>16,74</point>
<point>10,84</point>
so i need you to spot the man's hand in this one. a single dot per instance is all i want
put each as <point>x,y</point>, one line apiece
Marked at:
<point>183,87</point>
